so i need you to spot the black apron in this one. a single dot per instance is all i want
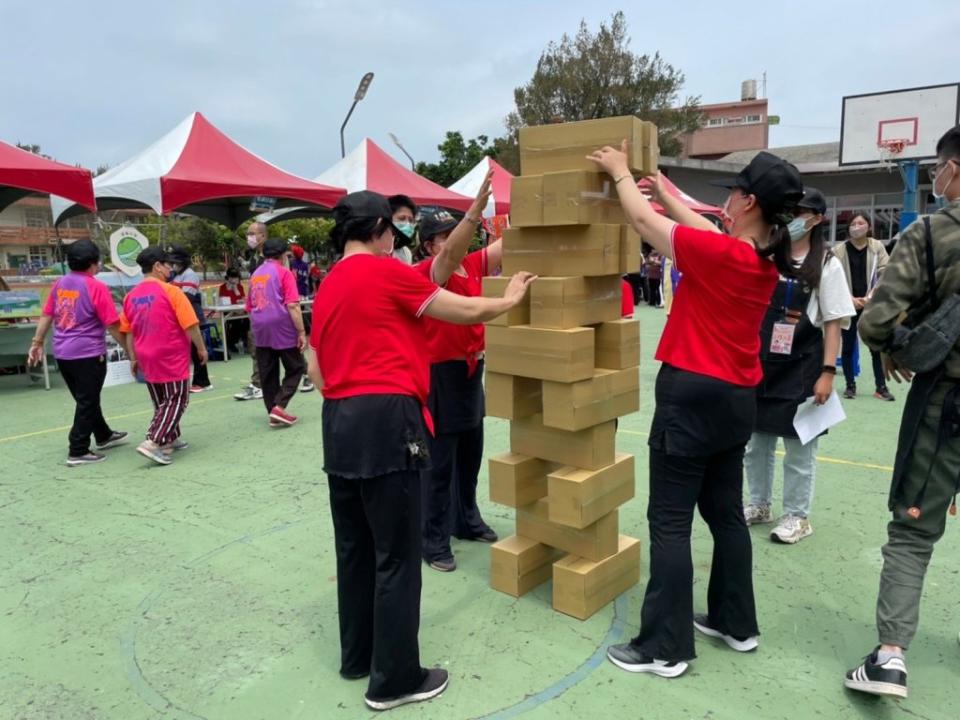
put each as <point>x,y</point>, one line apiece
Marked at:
<point>788,380</point>
<point>456,399</point>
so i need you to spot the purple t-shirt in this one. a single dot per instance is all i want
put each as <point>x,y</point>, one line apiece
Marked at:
<point>81,307</point>
<point>272,288</point>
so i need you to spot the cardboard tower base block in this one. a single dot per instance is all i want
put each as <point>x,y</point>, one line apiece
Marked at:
<point>618,344</point>
<point>511,397</point>
<point>579,498</point>
<point>518,565</point>
<point>591,448</point>
<point>607,395</point>
<point>594,542</point>
<point>517,480</point>
<point>581,587</point>
<point>560,355</point>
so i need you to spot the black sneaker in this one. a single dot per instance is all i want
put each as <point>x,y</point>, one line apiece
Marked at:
<point>890,678</point>
<point>484,536</point>
<point>116,438</point>
<point>443,564</point>
<point>884,394</point>
<point>88,459</point>
<point>850,393</point>
<point>748,644</point>
<point>627,657</point>
<point>359,675</point>
<point>433,686</point>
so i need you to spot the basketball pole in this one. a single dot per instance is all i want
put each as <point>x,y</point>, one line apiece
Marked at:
<point>909,173</point>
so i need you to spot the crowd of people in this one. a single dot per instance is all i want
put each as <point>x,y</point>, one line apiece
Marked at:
<point>762,312</point>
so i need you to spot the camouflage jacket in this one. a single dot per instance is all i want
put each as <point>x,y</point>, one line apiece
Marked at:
<point>903,286</point>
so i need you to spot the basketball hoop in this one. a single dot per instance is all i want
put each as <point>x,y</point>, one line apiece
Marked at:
<point>890,151</point>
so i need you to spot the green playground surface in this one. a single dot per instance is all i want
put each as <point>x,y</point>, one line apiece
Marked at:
<point>207,589</point>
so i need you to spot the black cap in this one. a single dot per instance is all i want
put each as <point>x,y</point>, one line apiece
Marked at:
<point>81,254</point>
<point>773,181</point>
<point>814,200</point>
<point>178,254</point>
<point>150,256</point>
<point>362,204</point>
<point>434,222</point>
<point>274,248</point>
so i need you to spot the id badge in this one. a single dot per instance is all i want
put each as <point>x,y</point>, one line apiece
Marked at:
<point>782,340</point>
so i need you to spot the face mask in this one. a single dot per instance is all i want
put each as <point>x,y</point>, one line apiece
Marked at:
<point>797,228</point>
<point>171,275</point>
<point>252,241</point>
<point>858,232</point>
<point>728,220</point>
<point>939,195</point>
<point>406,228</point>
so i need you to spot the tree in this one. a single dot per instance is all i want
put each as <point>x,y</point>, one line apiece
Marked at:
<point>595,75</point>
<point>32,148</point>
<point>312,234</point>
<point>457,158</point>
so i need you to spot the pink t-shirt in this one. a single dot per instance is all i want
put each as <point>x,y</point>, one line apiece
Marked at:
<point>158,315</point>
<point>81,307</point>
<point>272,288</point>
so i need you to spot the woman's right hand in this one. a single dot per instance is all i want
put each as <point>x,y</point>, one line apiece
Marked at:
<point>35,356</point>
<point>657,191</point>
<point>483,197</point>
<point>517,287</point>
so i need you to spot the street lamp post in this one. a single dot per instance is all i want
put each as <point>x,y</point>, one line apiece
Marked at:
<point>357,97</point>
<point>396,141</point>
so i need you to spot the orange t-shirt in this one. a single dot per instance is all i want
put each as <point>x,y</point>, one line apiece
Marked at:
<point>159,314</point>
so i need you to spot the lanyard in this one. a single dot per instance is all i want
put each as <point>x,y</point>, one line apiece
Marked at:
<point>788,296</point>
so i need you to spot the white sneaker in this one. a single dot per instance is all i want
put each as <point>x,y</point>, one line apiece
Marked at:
<point>306,385</point>
<point>250,392</point>
<point>791,529</point>
<point>749,644</point>
<point>757,514</point>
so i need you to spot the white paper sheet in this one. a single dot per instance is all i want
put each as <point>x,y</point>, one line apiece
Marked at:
<point>811,420</point>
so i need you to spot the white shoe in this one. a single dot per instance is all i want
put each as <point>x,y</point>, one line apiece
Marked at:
<point>250,392</point>
<point>306,385</point>
<point>791,529</point>
<point>757,514</point>
<point>702,623</point>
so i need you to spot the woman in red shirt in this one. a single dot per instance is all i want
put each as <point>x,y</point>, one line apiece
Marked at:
<point>369,363</point>
<point>706,403</point>
<point>456,383</point>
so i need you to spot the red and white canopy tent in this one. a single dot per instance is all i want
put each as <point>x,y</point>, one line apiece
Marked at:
<point>697,206</point>
<point>198,170</point>
<point>369,167</point>
<point>469,184</point>
<point>22,173</point>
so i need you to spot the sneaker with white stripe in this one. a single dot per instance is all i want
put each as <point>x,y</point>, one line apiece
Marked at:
<point>748,644</point>
<point>889,678</point>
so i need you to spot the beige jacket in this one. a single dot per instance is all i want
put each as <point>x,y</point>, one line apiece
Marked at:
<point>877,259</point>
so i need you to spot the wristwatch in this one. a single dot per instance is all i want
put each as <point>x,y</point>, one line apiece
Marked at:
<point>830,369</point>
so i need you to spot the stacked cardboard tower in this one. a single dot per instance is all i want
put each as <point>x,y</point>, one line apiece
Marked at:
<point>564,365</point>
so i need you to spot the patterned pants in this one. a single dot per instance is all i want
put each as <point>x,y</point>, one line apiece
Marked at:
<point>170,402</point>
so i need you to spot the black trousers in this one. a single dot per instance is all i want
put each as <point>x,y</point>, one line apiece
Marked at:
<point>84,378</point>
<point>637,281</point>
<point>376,526</point>
<point>268,365</point>
<point>200,375</point>
<point>678,484</point>
<point>450,491</point>
<point>653,296</point>
<point>850,340</point>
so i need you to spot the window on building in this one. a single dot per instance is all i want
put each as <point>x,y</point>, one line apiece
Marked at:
<point>38,254</point>
<point>735,120</point>
<point>36,217</point>
<point>77,223</point>
<point>714,122</point>
<point>754,118</point>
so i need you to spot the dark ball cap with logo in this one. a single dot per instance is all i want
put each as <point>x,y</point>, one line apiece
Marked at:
<point>274,248</point>
<point>772,180</point>
<point>813,200</point>
<point>150,256</point>
<point>434,222</point>
<point>81,254</point>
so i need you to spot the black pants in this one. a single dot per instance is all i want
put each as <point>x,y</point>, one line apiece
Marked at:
<point>637,281</point>
<point>653,297</point>
<point>84,378</point>
<point>450,492</point>
<point>850,340</point>
<point>200,375</point>
<point>376,526</point>
<point>677,485</point>
<point>268,366</point>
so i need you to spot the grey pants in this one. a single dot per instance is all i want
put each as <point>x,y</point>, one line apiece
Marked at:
<point>910,541</point>
<point>252,349</point>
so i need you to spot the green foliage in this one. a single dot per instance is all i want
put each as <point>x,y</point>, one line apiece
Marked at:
<point>596,75</point>
<point>312,234</point>
<point>457,158</point>
<point>32,148</point>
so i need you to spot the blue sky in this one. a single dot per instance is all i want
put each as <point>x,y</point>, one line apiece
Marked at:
<point>94,82</point>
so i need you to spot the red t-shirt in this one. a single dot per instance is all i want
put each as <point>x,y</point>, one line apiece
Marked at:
<point>714,323</point>
<point>236,296</point>
<point>367,331</point>
<point>626,299</point>
<point>447,341</point>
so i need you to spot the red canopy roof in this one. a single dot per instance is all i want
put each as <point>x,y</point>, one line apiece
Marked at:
<point>22,173</point>
<point>197,169</point>
<point>646,184</point>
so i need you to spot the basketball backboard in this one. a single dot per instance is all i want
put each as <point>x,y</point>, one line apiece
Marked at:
<point>913,119</point>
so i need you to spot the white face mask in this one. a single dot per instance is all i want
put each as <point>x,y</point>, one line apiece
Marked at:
<point>252,241</point>
<point>939,195</point>
<point>728,220</point>
<point>858,232</point>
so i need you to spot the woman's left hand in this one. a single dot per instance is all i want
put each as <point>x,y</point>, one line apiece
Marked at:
<point>483,197</point>
<point>611,160</point>
<point>823,389</point>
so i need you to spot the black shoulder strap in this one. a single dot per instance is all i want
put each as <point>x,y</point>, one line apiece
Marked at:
<point>931,277</point>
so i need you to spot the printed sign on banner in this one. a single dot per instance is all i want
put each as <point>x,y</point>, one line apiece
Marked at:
<point>125,244</point>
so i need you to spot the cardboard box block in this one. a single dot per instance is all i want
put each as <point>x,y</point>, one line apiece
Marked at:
<point>511,397</point>
<point>562,251</point>
<point>568,302</point>
<point>554,148</point>
<point>561,355</point>
<point>595,542</point>
<point>578,197</point>
<point>517,480</point>
<point>517,315</point>
<point>630,248</point>
<point>574,406</point>
<point>518,565</point>
<point>579,498</point>
<point>618,344</point>
<point>591,448</point>
<point>581,587</point>
<point>526,201</point>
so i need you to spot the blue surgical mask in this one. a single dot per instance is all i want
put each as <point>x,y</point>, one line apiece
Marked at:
<point>406,228</point>
<point>797,228</point>
<point>171,275</point>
